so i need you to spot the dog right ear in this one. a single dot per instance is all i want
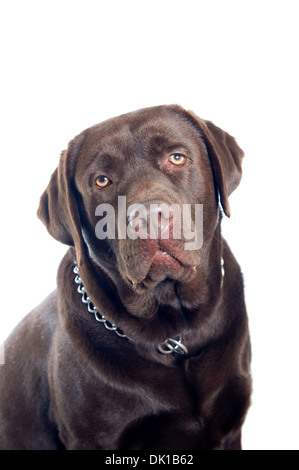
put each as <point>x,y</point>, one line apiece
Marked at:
<point>58,208</point>
<point>52,208</point>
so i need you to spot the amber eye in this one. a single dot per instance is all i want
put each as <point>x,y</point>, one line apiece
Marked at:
<point>177,159</point>
<point>102,181</point>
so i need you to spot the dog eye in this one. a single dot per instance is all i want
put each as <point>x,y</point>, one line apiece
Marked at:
<point>177,159</point>
<point>102,181</point>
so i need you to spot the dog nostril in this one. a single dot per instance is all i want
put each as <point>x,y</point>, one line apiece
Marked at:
<point>165,216</point>
<point>140,224</point>
<point>164,220</point>
<point>153,218</point>
<point>137,218</point>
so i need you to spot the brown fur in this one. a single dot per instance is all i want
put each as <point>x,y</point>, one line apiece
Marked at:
<point>69,383</point>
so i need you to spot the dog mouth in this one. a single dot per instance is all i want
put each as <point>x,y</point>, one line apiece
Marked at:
<point>157,262</point>
<point>163,259</point>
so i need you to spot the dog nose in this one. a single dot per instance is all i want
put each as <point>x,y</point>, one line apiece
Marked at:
<point>152,219</point>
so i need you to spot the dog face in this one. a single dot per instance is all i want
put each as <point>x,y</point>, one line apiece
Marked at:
<point>151,167</point>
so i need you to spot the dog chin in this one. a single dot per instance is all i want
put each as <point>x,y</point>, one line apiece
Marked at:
<point>163,267</point>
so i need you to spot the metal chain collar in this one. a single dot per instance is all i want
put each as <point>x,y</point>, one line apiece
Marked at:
<point>169,346</point>
<point>91,308</point>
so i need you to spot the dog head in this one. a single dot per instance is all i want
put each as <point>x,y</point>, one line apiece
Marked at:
<point>126,189</point>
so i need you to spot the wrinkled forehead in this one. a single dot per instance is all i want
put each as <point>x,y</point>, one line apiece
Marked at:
<point>152,129</point>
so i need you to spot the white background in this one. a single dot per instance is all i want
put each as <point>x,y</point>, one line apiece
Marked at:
<point>66,65</point>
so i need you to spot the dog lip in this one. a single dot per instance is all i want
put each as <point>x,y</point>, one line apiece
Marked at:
<point>159,257</point>
<point>169,258</point>
<point>163,258</point>
<point>176,258</point>
<point>161,253</point>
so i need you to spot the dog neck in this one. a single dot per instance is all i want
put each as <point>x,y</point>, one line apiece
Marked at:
<point>171,309</point>
<point>174,309</point>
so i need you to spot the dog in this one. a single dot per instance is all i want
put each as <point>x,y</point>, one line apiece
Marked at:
<point>145,343</point>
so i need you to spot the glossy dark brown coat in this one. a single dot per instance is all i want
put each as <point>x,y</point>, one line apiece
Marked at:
<point>69,383</point>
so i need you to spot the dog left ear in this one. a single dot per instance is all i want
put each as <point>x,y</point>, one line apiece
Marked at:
<point>225,157</point>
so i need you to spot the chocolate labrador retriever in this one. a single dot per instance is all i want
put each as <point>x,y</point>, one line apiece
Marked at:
<point>145,343</point>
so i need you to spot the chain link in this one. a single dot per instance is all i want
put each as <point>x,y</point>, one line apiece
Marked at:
<point>91,307</point>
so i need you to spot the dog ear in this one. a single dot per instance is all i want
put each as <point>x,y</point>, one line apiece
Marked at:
<point>58,208</point>
<point>225,157</point>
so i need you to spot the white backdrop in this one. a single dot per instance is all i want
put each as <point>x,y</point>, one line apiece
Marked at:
<point>68,64</point>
